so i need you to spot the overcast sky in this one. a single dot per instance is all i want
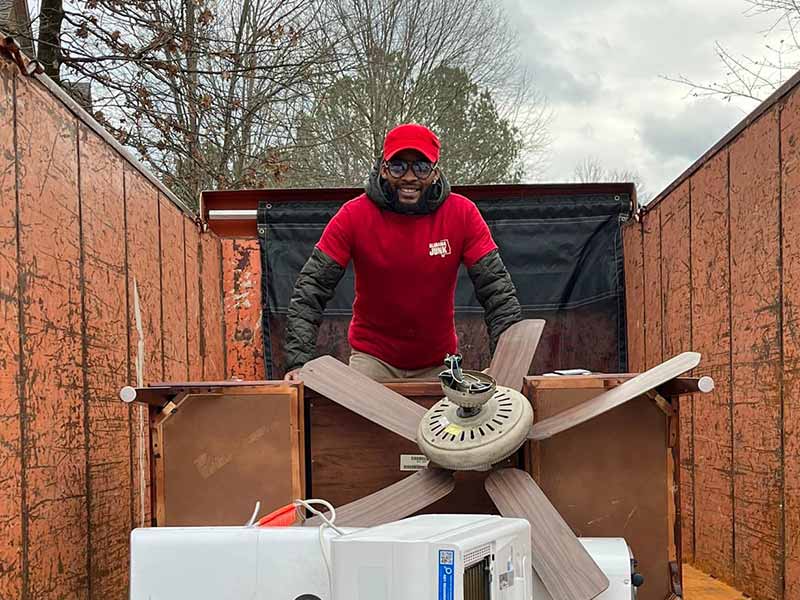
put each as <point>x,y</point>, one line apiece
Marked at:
<point>599,63</point>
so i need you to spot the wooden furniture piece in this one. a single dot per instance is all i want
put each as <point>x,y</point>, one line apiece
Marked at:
<point>351,457</point>
<point>615,475</point>
<point>218,448</point>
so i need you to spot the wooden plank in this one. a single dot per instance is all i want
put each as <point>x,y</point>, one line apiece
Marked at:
<point>161,394</point>
<point>514,353</point>
<point>699,586</point>
<point>102,226</point>
<point>397,501</point>
<point>610,399</point>
<point>54,441</point>
<point>298,431</point>
<point>653,311</point>
<point>711,337</point>
<point>144,287</point>
<point>688,385</point>
<point>173,285</point>
<point>223,453</point>
<point>159,476</point>
<point>212,340</point>
<point>559,559</point>
<point>790,177</point>
<point>673,514</point>
<point>242,289</point>
<point>676,283</point>
<point>594,381</point>
<point>362,395</point>
<point>673,387</point>
<point>10,445</point>
<point>634,294</point>
<point>192,259</point>
<point>588,474</point>
<point>755,326</point>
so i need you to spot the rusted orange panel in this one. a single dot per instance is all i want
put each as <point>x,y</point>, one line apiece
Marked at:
<point>103,227</point>
<point>10,448</point>
<point>213,330</point>
<point>140,460</point>
<point>755,341</point>
<point>653,338</point>
<point>53,436</point>
<point>676,284</point>
<point>241,269</point>
<point>675,272</point>
<point>711,337</point>
<point>634,294</point>
<point>192,259</point>
<point>173,285</point>
<point>790,164</point>
<point>144,289</point>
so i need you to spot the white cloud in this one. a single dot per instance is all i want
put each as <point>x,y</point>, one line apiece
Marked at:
<point>686,133</point>
<point>601,65</point>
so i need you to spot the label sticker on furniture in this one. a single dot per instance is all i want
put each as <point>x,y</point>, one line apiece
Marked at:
<point>413,462</point>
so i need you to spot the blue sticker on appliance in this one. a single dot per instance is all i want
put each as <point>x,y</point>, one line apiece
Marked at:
<point>446,580</point>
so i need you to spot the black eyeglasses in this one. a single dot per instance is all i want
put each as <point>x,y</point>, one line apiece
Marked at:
<point>398,167</point>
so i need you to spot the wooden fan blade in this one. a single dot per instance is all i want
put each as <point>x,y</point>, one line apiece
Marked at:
<point>644,382</point>
<point>395,502</point>
<point>557,556</point>
<point>514,353</point>
<point>346,386</point>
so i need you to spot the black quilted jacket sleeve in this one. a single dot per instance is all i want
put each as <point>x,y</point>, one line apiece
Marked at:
<point>497,295</point>
<point>313,289</point>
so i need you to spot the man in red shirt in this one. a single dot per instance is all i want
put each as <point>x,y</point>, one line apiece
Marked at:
<point>407,236</point>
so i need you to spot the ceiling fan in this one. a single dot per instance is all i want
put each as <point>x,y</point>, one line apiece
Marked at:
<point>473,431</point>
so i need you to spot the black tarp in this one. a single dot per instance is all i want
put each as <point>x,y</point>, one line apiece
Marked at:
<point>564,253</point>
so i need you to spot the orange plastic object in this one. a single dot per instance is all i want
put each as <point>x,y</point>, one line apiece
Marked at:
<point>283,517</point>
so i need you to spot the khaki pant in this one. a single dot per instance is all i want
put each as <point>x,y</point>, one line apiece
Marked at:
<point>376,369</point>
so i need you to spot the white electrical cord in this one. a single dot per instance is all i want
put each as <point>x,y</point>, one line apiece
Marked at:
<point>254,515</point>
<point>326,523</point>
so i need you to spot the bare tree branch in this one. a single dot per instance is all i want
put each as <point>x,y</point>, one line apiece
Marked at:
<point>749,78</point>
<point>592,170</point>
<point>449,65</point>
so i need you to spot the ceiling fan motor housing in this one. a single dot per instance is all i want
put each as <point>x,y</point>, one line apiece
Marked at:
<point>453,439</point>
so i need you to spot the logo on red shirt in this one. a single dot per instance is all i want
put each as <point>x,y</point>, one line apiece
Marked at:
<point>440,248</point>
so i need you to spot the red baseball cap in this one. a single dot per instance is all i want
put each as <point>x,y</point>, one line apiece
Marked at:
<point>411,136</point>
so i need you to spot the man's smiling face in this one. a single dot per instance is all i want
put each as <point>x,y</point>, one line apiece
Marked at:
<point>409,186</point>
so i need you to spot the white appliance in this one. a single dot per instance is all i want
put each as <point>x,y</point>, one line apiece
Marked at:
<point>436,557</point>
<point>429,557</point>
